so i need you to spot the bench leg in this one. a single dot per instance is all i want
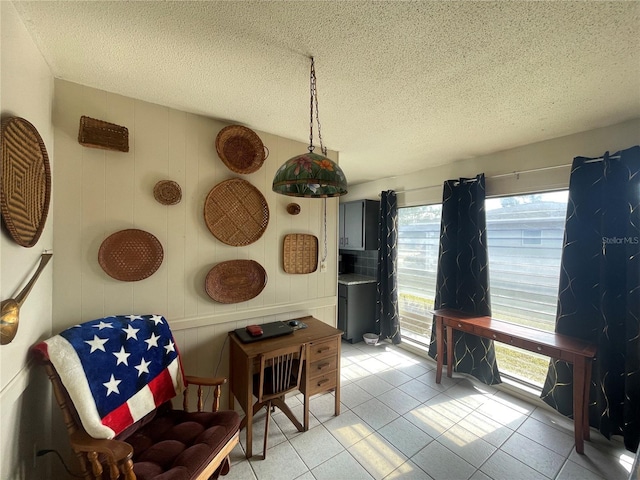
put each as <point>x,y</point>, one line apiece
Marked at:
<point>579,374</point>
<point>449,352</point>
<point>440,348</point>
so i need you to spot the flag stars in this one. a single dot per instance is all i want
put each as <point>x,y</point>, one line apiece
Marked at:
<point>131,332</point>
<point>170,347</point>
<point>156,319</point>
<point>134,317</point>
<point>112,385</point>
<point>143,367</point>
<point>122,357</point>
<point>97,343</point>
<point>102,325</point>
<point>152,341</point>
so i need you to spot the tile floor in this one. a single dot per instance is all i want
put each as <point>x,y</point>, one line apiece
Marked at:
<point>396,422</point>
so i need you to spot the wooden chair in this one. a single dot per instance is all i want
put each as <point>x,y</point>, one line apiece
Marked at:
<point>280,373</point>
<point>166,441</point>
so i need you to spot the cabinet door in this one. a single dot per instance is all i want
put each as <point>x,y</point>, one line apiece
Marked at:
<point>353,226</point>
<point>342,309</point>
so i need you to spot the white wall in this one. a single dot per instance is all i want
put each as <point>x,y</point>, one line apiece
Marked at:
<point>548,161</point>
<point>27,92</point>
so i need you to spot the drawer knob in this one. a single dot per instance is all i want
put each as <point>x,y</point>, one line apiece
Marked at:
<point>539,349</point>
<point>323,365</point>
<point>324,380</point>
<point>322,349</point>
<point>494,336</point>
<point>459,325</point>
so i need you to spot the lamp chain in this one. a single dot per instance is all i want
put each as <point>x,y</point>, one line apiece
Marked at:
<point>314,99</point>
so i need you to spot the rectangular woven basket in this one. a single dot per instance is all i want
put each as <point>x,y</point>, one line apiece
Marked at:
<point>300,253</point>
<point>100,134</point>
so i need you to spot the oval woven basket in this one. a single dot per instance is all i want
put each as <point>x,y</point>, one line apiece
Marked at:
<point>235,281</point>
<point>236,213</point>
<point>25,174</point>
<point>130,255</point>
<point>240,149</point>
<point>167,192</point>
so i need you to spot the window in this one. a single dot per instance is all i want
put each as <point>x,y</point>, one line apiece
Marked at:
<point>524,236</point>
<point>531,236</point>
<point>418,243</point>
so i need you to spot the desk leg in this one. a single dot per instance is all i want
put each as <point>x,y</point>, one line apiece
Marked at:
<point>337,390</point>
<point>306,412</point>
<point>440,348</point>
<point>579,374</point>
<point>449,352</point>
<point>585,408</point>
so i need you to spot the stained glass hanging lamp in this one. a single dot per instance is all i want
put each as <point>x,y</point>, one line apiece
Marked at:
<point>310,174</point>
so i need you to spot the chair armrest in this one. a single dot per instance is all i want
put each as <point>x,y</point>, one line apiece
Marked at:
<point>205,381</point>
<point>117,453</point>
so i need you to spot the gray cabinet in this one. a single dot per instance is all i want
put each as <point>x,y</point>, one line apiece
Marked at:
<point>358,227</point>
<point>357,310</point>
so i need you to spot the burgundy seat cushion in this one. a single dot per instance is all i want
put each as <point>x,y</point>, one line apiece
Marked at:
<point>177,445</point>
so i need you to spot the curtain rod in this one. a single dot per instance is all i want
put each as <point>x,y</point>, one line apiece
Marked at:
<point>516,173</point>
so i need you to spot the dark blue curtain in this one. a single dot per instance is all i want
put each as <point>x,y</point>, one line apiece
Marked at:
<point>387,296</point>
<point>599,291</point>
<point>462,281</point>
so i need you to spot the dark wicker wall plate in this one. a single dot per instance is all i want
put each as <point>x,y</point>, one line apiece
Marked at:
<point>236,213</point>
<point>96,133</point>
<point>130,255</point>
<point>235,281</point>
<point>25,176</point>
<point>240,149</point>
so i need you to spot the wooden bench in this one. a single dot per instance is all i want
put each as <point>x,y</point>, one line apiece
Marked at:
<point>562,347</point>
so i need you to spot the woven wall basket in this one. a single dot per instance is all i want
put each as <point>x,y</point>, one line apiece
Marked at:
<point>100,134</point>
<point>130,255</point>
<point>25,175</point>
<point>167,192</point>
<point>236,213</point>
<point>240,149</point>
<point>235,281</point>
<point>300,253</point>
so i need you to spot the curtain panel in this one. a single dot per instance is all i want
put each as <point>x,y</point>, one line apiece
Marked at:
<point>388,318</point>
<point>462,280</point>
<point>599,291</point>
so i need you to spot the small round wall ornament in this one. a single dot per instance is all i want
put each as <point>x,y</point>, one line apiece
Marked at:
<point>293,209</point>
<point>167,192</point>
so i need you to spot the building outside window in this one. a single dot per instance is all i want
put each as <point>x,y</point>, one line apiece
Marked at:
<point>524,236</point>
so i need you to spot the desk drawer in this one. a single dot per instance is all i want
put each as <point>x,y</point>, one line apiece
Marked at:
<point>318,350</point>
<point>536,348</point>
<point>322,383</point>
<point>324,365</point>
<point>462,327</point>
<point>497,336</point>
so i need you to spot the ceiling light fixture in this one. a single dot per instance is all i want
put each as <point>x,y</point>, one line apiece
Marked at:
<point>310,174</point>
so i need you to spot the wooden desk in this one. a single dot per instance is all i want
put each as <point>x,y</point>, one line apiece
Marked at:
<point>562,347</point>
<point>321,371</point>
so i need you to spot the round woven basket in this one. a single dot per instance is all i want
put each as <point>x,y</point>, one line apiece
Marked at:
<point>130,255</point>
<point>236,213</point>
<point>167,192</point>
<point>25,174</point>
<point>240,149</point>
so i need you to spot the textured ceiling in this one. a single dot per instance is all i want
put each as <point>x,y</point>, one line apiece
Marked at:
<point>401,85</point>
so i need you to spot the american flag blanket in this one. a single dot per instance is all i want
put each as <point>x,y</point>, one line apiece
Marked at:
<point>116,369</point>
